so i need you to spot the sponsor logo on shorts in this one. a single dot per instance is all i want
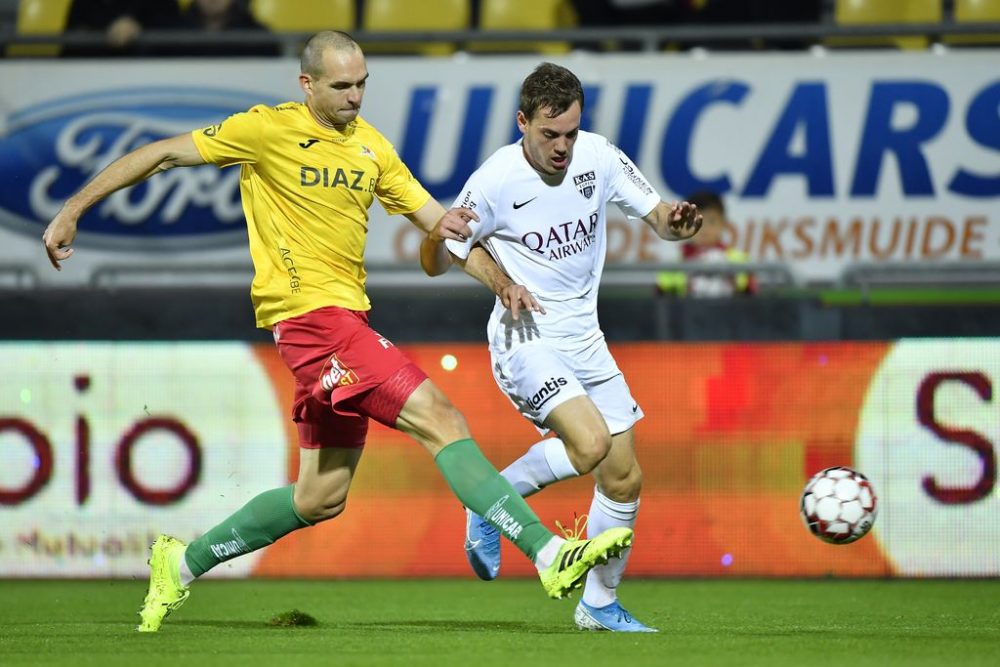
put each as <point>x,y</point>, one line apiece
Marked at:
<point>502,519</point>
<point>551,387</point>
<point>335,374</point>
<point>230,548</point>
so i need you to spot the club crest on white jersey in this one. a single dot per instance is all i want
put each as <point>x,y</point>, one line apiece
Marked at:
<point>585,183</point>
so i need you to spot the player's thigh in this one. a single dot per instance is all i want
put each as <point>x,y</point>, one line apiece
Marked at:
<point>614,401</point>
<point>431,418</point>
<point>325,476</point>
<point>583,431</point>
<point>619,476</point>
<point>537,379</point>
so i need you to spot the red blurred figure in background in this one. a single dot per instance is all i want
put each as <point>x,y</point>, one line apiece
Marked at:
<point>708,247</point>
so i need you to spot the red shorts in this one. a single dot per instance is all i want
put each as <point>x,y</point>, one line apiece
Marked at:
<point>345,372</point>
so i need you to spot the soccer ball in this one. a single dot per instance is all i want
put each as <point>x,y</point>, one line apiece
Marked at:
<point>839,505</point>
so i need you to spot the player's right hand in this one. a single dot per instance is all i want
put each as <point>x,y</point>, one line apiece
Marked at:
<point>454,224</point>
<point>517,298</point>
<point>58,236</point>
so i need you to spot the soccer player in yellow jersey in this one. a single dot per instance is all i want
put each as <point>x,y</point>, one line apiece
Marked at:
<point>308,174</point>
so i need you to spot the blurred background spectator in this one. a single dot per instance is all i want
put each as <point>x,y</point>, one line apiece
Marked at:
<point>215,16</point>
<point>606,13</point>
<point>708,247</point>
<point>121,21</point>
<point>755,11</point>
<point>653,13</point>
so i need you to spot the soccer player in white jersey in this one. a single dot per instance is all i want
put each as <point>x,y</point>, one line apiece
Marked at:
<point>540,208</point>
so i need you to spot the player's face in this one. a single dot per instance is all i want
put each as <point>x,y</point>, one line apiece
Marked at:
<point>335,96</point>
<point>548,142</point>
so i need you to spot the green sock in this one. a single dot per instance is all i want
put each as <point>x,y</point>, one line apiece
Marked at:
<point>265,519</point>
<point>484,491</point>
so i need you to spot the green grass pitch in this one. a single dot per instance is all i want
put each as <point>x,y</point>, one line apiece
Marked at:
<point>441,623</point>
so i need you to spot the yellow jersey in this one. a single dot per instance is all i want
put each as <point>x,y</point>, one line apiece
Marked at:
<point>306,191</point>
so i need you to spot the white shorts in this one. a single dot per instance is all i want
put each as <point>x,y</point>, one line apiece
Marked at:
<point>537,377</point>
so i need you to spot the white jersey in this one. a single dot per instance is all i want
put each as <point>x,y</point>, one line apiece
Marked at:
<point>553,238</point>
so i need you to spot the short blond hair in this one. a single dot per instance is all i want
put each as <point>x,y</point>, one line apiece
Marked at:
<point>311,61</point>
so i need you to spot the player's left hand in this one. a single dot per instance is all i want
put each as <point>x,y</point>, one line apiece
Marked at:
<point>684,220</point>
<point>58,237</point>
<point>517,298</point>
<point>454,224</point>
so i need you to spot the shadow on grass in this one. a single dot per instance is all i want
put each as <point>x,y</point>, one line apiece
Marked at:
<point>415,626</point>
<point>452,625</point>
<point>228,625</point>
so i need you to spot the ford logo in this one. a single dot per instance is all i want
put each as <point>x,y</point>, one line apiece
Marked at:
<point>49,151</point>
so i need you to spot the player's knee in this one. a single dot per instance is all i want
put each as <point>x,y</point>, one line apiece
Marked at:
<point>316,507</point>
<point>433,420</point>
<point>587,452</point>
<point>325,511</point>
<point>623,487</point>
<point>451,420</point>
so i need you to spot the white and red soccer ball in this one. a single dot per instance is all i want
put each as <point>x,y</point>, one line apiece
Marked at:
<point>839,505</point>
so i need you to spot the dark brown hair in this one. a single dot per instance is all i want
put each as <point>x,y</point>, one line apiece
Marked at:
<point>550,88</point>
<point>706,199</point>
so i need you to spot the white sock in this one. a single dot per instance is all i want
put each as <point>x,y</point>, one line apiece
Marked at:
<point>544,463</point>
<point>603,580</point>
<point>547,554</point>
<point>187,576</point>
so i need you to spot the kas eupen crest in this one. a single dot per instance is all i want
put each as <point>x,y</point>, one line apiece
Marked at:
<point>585,184</point>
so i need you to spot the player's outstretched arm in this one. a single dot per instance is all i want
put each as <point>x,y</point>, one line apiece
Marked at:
<point>674,222</point>
<point>127,170</point>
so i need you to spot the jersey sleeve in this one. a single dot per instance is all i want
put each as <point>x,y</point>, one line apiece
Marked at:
<point>475,197</point>
<point>628,187</point>
<point>396,188</point>
<point>236,140</point>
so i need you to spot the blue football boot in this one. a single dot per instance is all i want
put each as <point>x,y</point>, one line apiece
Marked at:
<point>482,546</point>
<point>611,617</point>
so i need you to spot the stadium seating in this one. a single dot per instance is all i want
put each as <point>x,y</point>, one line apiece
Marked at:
<point>975,11</point>
<point>40,17</point>
<point>304,15</point>
<point>875,12</point>
<point>408,16</point>
<point>539,15</point>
